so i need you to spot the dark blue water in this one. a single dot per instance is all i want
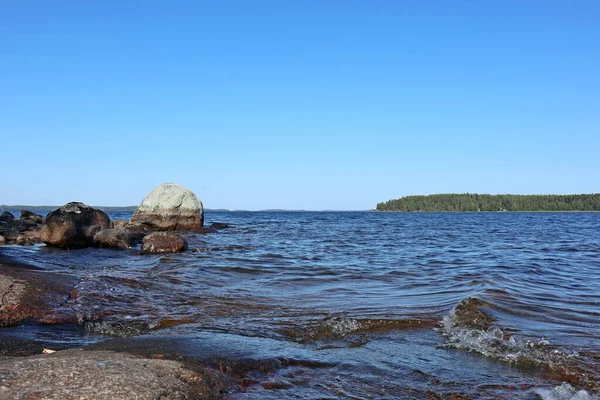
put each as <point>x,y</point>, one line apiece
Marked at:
<point>383,303</point>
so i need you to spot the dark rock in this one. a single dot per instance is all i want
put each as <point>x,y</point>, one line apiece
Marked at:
<point>23,240</point>
<point>218,225</point>
<point>27,293</point>
<point>160,242</point>
<point>2,240</point>
<point>5,226</point>
<point>118,223</point>
<point>11,235</point>
<point>7,217</point>
<point>117,238</point>
<point>32,217</point>
<point>23,225</point>
<point>170,207</point>
<point>73,226</point>
<point>106,375</point>
<point>205,230</point>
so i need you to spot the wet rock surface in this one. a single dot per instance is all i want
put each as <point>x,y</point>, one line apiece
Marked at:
<point>170,207</point>
<point>73,226</point>
<point>116,238</point>
<point>79,374</point>
<point>30,294</point>
<point>161,242</point>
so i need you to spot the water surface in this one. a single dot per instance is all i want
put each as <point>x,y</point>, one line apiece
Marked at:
<point>367,305</point>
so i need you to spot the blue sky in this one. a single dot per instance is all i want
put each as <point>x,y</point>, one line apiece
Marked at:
<point>329,104</point>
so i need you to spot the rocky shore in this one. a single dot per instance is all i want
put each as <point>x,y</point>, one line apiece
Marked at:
<point>157,224</point>
<point>30,295</point>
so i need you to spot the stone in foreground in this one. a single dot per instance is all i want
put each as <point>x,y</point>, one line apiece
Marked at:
<point>73,226</point>
<point>170,207</point>
<point>100,375</point>
<point>161,242</point>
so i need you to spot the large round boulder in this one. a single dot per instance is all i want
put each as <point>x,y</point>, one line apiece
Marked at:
<point>73,226</point>
<point>170,207</point>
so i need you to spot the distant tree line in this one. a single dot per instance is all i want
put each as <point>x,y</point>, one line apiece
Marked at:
<point>496,202</point>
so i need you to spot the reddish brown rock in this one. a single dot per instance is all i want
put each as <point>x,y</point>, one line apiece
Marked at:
<point>160,242</point>
<point>73,226</point>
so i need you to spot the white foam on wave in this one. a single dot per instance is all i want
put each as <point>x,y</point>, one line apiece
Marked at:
<point>343,326</point>
<point>491,343</point>
<point>564,392</point>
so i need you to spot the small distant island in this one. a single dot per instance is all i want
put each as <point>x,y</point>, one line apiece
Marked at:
<point>492,202</point>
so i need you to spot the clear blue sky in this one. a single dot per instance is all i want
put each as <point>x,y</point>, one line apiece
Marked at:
<point>325,104</point>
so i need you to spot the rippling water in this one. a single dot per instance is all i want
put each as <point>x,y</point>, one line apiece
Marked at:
<point>367,305</point>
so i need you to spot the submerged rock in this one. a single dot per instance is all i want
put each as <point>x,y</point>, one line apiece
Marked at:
<point>219,225</point>
<point>73,226</point>
<point>80,374</point>
<point>203,230</point>
<point>161,242</point>
<point>170,207</point>
<point>116,238</point>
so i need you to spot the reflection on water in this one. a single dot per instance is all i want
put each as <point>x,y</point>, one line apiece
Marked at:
<point>376,294</point>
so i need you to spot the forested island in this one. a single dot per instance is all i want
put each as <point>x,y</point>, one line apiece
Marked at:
<point>493,202</point>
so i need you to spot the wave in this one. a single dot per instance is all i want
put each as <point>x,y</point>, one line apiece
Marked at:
<point>352,330</point>
<point>564,392</point>
<point>470,328</point>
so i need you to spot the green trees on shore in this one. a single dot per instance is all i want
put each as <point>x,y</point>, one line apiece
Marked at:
<point>489,202</point>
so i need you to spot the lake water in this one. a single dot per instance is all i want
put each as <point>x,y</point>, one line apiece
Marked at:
<point>358,305</point>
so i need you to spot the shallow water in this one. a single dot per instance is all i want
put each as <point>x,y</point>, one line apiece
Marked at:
<point>367,305</point>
